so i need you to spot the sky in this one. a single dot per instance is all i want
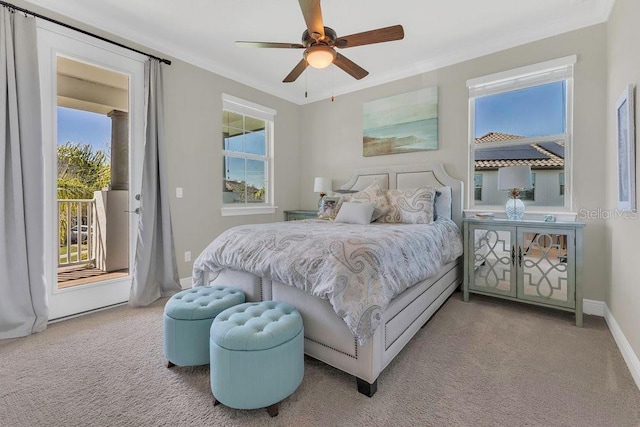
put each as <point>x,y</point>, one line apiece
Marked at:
<point>529,112</point>
<point>253,143</point>
<point>84,127</point>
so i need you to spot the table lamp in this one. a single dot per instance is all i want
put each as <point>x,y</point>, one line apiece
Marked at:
<point>321,185</point>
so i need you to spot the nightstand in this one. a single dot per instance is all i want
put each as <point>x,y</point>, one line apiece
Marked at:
<point>534,262</point>
<point>296,215</point>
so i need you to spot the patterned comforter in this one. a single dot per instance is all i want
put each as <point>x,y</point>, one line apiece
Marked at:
<point>358,268</point>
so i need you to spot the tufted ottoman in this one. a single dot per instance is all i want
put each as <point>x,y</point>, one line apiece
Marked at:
<point>257,355</point>
<point>187,320</point>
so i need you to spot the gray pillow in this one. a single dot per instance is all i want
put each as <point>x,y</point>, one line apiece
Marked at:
<point>356,212</point>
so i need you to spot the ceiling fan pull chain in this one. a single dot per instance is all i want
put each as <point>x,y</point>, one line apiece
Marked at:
<point>333,73</point>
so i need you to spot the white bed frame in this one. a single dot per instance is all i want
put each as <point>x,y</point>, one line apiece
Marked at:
<point>327,337</point>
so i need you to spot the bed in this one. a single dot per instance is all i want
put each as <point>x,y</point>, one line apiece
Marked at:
<point>332,338</point>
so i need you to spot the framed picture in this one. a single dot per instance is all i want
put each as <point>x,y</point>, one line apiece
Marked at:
<point>328,207</point>
<point>401,123</point>
<point>626,151</point>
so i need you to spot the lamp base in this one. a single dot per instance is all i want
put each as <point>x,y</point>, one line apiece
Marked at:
<point>321,202</point>
<point>514,209</point>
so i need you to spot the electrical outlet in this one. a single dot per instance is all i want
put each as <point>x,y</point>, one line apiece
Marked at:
<point>178,192</point>
<point>187,256</point>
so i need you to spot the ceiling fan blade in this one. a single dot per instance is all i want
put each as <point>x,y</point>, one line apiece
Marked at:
<point>387,34</point>
<point>297,70</point>
<point>312,17</point>
<point>270,44</point>
<point>350,67</point>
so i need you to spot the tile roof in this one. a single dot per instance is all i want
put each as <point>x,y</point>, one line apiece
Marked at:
<point>544,155</point>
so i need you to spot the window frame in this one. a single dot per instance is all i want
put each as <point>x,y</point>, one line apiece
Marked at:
<point>555,70</point>
<point>247,108</point>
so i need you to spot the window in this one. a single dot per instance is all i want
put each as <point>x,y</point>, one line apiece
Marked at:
<point>247,138</point>
<point>561,182</point>
<point>522,117</point>
<point>477,187</point>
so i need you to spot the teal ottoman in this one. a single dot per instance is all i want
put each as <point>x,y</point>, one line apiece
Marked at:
<point>257,355</point>
<point>187,321</point>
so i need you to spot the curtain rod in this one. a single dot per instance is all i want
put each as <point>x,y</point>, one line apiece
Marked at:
<point>37,15</point>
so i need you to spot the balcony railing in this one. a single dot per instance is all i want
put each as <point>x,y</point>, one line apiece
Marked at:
<point>76,232</point>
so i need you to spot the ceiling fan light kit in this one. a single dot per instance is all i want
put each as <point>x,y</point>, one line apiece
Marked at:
<point>319,43</point>
<point>320,56</point>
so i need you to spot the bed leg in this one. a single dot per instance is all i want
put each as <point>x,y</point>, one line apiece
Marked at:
<point>367,389</point>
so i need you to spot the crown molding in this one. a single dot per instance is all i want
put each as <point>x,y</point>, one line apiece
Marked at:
<point>606,7</point>
<point>463,51</point>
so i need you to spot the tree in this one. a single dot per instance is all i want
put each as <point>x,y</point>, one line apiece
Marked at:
<point>81,171</point>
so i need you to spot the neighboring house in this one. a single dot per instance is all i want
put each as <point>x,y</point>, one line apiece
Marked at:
<point>547,169</point>
<point>236,191</point>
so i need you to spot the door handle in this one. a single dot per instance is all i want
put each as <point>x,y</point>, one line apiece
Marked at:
<point>136,211</point>
<point>520,256</point>
<point>513,255</point>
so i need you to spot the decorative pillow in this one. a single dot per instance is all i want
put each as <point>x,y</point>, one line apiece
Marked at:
<point>356,212</point>
<point>442,207</point>
<point>373,193</point>
<point>328,207</point>
<point>413,206</point>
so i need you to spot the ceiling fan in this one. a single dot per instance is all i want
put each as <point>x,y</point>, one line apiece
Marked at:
<point>319,43</point>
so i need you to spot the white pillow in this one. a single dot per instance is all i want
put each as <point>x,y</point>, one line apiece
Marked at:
<point>355,212</point>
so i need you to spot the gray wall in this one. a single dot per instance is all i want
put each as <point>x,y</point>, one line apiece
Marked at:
<point>623,232</point>
<point>332,145</point>
<point>193,126</point>
<point>193,115</point>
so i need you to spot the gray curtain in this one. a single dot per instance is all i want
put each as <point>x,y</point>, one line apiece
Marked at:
<point>155,272</point>
<point>23,290</point>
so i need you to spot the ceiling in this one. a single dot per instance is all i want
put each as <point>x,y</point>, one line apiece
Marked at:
<point>437,33</point>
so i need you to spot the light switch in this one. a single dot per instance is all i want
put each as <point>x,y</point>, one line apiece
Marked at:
<point>179,192</point>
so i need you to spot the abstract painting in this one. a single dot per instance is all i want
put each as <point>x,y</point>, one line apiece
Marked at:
<point>401,123</point>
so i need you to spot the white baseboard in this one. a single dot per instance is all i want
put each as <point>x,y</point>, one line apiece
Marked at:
<point>599,308</point>
<point>593,307</point>
<point>633,363</point>
<point>185,283</point>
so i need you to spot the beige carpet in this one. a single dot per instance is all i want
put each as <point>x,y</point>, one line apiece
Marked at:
<point>482,363</point>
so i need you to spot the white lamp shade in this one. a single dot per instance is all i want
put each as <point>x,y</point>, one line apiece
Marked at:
<point>319,56</point>
<point>321,185</point>
<point>514,177</point>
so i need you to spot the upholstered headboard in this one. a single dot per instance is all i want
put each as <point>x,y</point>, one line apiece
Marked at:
<point>410,176</point>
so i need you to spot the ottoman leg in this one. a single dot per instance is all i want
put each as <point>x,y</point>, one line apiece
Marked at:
<point>216,402</point>
<point>273,410</point>
<point>170,364</point>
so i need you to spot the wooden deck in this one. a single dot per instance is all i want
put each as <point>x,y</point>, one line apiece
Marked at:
<point>83,275</point>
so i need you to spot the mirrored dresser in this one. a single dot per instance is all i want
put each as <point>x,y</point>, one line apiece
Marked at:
<point>529,261</point>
